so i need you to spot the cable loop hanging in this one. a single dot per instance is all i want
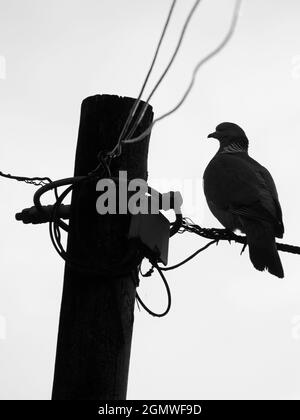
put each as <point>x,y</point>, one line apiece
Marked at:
<point>165,312</point>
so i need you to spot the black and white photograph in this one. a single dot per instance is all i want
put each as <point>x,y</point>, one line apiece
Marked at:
<point>149,178</point>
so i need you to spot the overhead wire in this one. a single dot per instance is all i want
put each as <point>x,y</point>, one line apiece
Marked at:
<point>166,70</point>
<point>204,60</point>
<point>137,101</point>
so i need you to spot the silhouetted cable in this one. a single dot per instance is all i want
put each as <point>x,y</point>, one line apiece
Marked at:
<point>137,101</point>
<point>37,181</point>
<point>162,314</point>
<point>177,48</point>
<point>172,267</point>
<point>226,235</point>
<point>215,235</point>
<point>196,69</point>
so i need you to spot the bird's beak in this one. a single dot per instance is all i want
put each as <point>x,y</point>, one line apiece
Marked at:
<point>214,135</point>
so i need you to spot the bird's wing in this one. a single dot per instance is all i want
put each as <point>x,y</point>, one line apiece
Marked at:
<point>269,195</point>
<point>242,186</point>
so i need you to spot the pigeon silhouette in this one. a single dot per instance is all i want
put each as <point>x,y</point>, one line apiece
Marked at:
<point>242,195</point>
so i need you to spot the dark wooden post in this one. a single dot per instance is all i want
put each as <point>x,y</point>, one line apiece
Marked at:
<point>96,318</point>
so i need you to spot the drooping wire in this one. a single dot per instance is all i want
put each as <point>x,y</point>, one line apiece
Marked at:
<point>137,101</point>
<point>204,60</point>
<point>172,267</point>
<point>135,105</point>
<point>164,313</point>
<point>160,269</point>
<point>177,48</point>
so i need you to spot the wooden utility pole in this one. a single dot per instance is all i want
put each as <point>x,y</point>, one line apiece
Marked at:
<point>97,310</point>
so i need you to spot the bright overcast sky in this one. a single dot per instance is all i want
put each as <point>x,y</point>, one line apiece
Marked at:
<point>233,332</point>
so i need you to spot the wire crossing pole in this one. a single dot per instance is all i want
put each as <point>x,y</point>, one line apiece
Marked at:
<point>96,318</point>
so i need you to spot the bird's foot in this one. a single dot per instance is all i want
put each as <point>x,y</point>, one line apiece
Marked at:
<point>229,235</point>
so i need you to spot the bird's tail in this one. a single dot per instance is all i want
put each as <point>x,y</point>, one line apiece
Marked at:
<point>262,248</point>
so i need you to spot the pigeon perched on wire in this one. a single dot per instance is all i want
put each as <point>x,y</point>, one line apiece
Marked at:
<point>242,195</point>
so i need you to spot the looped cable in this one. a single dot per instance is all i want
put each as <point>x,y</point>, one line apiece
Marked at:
<point>155,314</point>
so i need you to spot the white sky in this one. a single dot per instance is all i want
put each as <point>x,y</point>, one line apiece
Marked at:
<point>232,332</point>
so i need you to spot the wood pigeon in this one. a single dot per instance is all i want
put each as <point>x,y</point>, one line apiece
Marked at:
<point>242,195</point>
